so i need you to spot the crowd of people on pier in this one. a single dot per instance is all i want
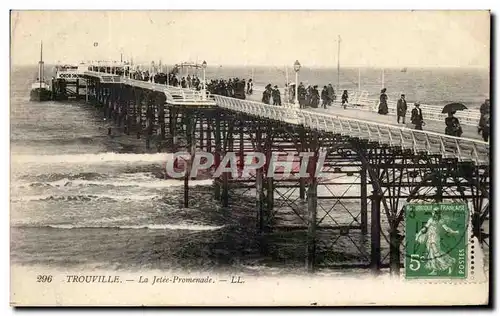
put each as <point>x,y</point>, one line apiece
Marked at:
<point>417,119</point>
<point>307,97</point>
<point>232,87</point>
<point>452,123</point>
<point>310,96</point>
<point>172,79</point>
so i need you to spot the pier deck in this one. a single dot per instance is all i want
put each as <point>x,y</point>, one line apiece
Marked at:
<point>366,114</point>
<point>388,165</point>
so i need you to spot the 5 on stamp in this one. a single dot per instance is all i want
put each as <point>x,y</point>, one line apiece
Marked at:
<point>436,241</point>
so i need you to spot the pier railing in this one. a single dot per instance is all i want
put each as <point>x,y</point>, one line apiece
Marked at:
<point>104,77</point>
<point>355,97</point>
<point>362,101</point>
<point>433,112</point>
<point>462,149</point>
<point>358,98</point>
<point>175,95</point>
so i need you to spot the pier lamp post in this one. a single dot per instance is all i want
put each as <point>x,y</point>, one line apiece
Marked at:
<point>204,66</point>
<point>296,67</point>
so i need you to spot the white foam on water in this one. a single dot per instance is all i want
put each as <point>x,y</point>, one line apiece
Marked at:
<point>30,198</point>
<point>149,184</point>
<point>153,183</point>
<point>84,197</point>
<point>91,158</point>
<point>147,226</point>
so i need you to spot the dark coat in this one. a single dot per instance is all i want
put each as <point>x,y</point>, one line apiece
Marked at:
<point>416,116</point>
<point>324,94</point>
<point>345,98</point>
<point>453,127</point>
<point>401,107</point>
<point>485,108</point>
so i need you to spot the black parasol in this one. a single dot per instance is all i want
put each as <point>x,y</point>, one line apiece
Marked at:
<point>452,107</point>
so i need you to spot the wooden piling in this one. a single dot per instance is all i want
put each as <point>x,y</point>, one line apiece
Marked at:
<point>149,118</point>
<point>209,135</point>
<point>375,232</point>
<point>302,180</point>
<point>86,90</point>
<point>98,94</point>
<point>269,181</point>
<point>302,188</point>
<point>172,125</point>
<point>225,175</point>
<point>140,97</point>
<point>259,201</point>
<point>269,195</point>
<point>218,145</point>
<point>110,101</point>
<point>241,151</point>
<point>312,205</point>
<point>364,200</point>
<point>115,105</point>
<point>161,119</point>
<point>201,132</point>
<point>259,189</point>
<point>130,111</point>
<point>190,122</point>
<point>394,252</point>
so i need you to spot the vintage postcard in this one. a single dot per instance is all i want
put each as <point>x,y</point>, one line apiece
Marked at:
<point>250,158</point>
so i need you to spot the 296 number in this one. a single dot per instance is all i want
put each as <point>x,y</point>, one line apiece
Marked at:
<point>44,278</point>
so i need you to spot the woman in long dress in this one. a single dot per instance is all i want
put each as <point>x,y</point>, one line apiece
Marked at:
<point>453,127</point>
<point>345,99</point>
<point>382,107</point>
<point>266,95</point>
<point>437,259</point>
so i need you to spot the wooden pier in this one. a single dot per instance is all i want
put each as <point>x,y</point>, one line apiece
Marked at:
<point>391,165</point>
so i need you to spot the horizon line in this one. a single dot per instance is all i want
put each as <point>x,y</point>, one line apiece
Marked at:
<point>291,66</point>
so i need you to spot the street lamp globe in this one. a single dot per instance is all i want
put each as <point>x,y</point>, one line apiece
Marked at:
<point>204,64</point>
<point>296,66</point>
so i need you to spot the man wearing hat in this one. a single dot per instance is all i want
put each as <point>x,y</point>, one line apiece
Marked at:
<point>401,108</point>
<point>276,96</point>
<point>485,107</point>
<point>416,116</point>
<point>484,121</point>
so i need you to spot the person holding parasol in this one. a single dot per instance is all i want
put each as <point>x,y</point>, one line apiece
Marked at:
<point>453,127</point>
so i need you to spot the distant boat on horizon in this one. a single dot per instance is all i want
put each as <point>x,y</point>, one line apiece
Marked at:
<point>40,89</point>
<point>404,69</point>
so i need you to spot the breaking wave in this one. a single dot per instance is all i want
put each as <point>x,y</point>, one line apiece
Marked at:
<point>92,158</point>
<point>86,197</point>
<point>51,177</point>
<point>153,183</point>
<point>146,226</point>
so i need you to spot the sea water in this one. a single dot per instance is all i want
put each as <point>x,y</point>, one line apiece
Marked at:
<point>81,198</point>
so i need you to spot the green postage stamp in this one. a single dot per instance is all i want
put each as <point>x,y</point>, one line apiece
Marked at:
<point>436,241</point>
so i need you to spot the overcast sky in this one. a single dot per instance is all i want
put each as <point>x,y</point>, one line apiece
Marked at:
<point>369,38</point>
